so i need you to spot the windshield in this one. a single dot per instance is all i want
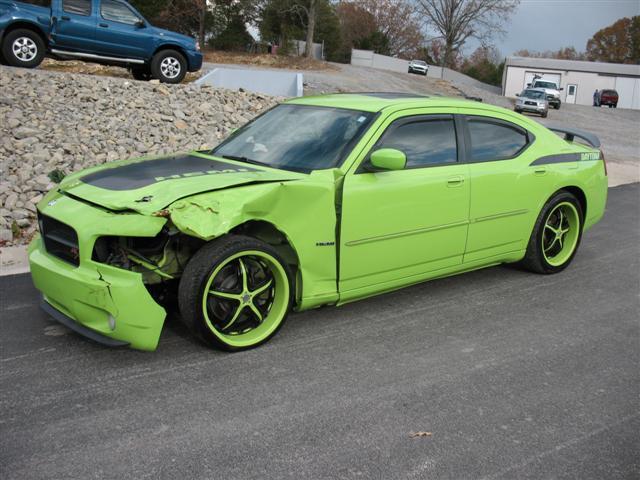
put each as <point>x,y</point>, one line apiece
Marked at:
<point>419,62</point>
<point>540,84</point>
<point>533,94</point>
<point>297,137</point>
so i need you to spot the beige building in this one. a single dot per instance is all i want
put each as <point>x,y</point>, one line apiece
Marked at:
<point>578,79</point>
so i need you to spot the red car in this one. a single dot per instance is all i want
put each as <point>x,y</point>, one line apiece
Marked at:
<point>605,97</point>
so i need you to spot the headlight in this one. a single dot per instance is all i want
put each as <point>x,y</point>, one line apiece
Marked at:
<point>197,46</point>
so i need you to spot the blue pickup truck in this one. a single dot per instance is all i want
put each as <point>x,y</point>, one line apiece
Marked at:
<point>110,32</point>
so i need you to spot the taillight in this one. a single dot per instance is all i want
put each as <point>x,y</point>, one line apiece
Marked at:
<point>604,162</point>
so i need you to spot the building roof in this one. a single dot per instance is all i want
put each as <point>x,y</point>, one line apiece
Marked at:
<point>575,65</point>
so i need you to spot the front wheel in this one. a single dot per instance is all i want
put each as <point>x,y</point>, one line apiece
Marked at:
<point>169,66</point>
<point>23,48</point>
<point>556,235</point>
<point>235,293</point>
<point>141,73</point>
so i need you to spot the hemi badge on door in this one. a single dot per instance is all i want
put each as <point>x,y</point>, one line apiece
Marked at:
<point>325,244</point>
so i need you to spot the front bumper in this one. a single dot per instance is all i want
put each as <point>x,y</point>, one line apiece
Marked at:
<point>195,60</point>
<point>111,302</point>
<point>531,108</point>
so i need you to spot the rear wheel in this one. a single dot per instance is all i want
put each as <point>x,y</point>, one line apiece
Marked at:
<point>23,48</point>
<point>556,235</point>
<point>235,293</point>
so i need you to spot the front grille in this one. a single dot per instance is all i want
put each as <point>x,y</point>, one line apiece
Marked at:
<point>530,103</point>
<point>59,239</point>
<point>550,97</point>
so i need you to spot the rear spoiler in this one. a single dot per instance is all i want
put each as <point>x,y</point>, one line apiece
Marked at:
<point>571,133</point>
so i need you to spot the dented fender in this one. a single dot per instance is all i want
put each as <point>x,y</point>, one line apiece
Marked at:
<point>303,211</point>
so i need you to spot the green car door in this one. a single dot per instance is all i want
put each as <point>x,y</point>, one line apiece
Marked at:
<point>399,226</point>
<point>505,192</point>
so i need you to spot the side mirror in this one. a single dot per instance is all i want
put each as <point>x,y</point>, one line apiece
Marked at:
<point>561,88</point>
<point>528,84</point>
<point>388,159</point>
<point>517,94</point>
<point>140,24</point>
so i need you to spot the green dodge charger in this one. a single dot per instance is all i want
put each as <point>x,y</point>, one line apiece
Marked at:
<point>319,201</point>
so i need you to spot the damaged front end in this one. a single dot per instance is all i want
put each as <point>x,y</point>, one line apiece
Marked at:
<point>98,269</point>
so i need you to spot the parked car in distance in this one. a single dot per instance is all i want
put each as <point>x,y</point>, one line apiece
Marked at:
<point>551,89</point>
<point>110,32</point>
<point>606,97</point>
<point>418,66</point>
<point>532,100</point>
<point>321,200</point>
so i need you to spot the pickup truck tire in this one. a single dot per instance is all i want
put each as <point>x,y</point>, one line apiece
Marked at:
<point>169,66</point>
<point>23,48</point>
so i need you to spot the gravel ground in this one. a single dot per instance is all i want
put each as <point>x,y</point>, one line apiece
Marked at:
<point>52,121</point>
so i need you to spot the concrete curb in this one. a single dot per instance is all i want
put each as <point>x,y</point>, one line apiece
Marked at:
<point>13,260</point>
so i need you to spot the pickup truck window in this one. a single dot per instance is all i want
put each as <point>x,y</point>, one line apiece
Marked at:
<point>79,7</point>
<point>118,12</point>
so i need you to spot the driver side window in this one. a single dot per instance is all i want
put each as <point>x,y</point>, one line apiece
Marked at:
<point>426,142</point>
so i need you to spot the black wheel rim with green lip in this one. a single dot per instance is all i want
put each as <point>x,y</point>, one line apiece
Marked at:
<point>561,233</point>
<point>246,298</point>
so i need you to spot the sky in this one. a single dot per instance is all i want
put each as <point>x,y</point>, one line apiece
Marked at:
<point>552,24</point>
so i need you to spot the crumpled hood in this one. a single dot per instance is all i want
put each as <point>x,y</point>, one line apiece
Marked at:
<point>149,185</point>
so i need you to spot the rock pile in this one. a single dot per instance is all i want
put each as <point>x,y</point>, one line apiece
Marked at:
<point>52,123</point>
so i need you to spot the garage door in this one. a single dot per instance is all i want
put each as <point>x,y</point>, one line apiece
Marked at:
<point>549,77</point>
<point>628,92</point>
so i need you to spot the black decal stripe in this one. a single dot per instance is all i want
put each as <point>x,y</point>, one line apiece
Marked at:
<point>560,158</point>
<point>147,172</point>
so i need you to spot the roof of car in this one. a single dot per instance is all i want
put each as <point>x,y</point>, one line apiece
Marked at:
<point>376,101</point>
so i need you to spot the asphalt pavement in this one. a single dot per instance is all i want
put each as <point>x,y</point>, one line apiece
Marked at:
<point>508,374</point>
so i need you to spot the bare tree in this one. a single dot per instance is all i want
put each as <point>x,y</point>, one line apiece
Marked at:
<point>460,20</point>
<point>311,27</point>
<point>396,20</point>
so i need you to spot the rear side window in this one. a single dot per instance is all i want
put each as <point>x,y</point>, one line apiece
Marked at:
<point>117,12</point>
<point>79,7</point>
<point>491,140</point>
<point>424,142</point>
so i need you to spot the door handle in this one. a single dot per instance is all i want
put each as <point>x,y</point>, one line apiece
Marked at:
<point>103,25</point>
<point>540,171</point>
<point>455,181</point>
<point>64,17</point>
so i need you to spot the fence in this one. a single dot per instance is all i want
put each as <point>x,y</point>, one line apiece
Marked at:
<point>300,45</point>
<point>366,58</point>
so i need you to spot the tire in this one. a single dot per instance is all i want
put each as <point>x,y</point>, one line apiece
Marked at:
<point>557,106</point>
<point>218,297</point>
<point>544,115</point>
<point>23,48</point>
<point>169,66</point>
<point>142,74</point>
<point>556,237</point>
